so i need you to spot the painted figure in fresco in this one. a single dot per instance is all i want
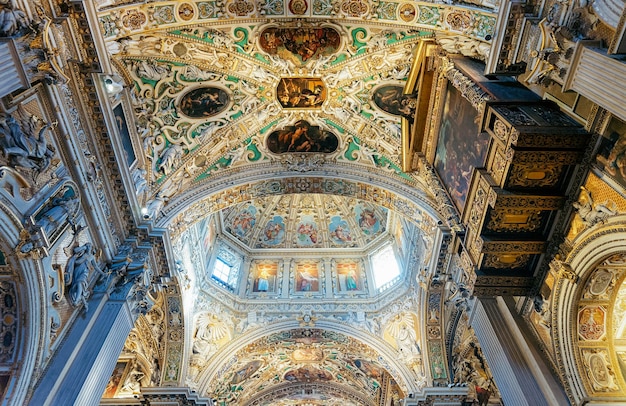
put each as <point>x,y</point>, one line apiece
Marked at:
<point>204,102</point>
<point>351,280</point>
<point>302,43</point>
<point>392,100</point>
<point>243,223</point>
<point>306,282</point>
<point>262,281</point>
<point>274,232</point>
<point>245,372</point>
<point>302,137</point>
<point>368,221</point>
<point>307,234</point>
<point>301,93</point>
<point>341,234</point>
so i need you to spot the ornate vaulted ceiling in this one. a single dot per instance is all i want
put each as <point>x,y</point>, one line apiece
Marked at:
<point>287,119</point>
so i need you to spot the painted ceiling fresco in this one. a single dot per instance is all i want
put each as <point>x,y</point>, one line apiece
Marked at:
<point>219,86</point>
<point>305,221</point>
<point>309,356</point>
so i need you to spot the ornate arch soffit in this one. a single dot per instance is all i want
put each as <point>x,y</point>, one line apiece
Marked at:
<point>375,187</point>
<point>396,369</point>
<point>286,389</point>
<point>139,18</point>
<point>31,331</point>
<point>588,250</point>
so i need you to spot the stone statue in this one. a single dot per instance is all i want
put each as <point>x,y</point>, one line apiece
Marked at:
<point>11,20</point>
<point>405,340</point>
<point>61,210</point>
<point>22,146</point>
<point>592,213</point>
<point>459,44</point>
<point>77,271</point>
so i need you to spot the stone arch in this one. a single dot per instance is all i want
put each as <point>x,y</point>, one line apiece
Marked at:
<point>397,370</point>
<point>579,349</point>
<point>400,195</point>
<point>22,277</point>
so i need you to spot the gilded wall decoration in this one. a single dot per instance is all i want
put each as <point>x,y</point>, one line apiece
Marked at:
<point>9,324</point>
<point>300,355</point>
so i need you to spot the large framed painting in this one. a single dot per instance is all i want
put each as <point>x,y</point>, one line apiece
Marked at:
<point>294,93</point>
<point>611,157</point>
<point>461,146</point>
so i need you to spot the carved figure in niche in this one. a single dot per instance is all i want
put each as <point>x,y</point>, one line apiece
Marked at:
<point>542,307</point>
<point>405,340</point>
<point>13,20</point>
<point>590,212</point>
<point>133,381</point>
<point>23,145</point>
<point>62,209</point>
<point>77,271</point>
<point>210,330</point>
<point>302,137</point>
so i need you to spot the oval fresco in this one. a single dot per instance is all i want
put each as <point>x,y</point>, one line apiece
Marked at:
<point>390,98</point>
<point>299,44</point>
<point>204,102</point>
<point>302,137</point>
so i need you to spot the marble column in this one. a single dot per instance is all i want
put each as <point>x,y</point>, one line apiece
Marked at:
<point>518,368</point>
<point>81,367</point>
<point>598,76</point>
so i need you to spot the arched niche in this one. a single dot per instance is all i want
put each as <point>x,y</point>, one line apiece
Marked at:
<point>586,315</point>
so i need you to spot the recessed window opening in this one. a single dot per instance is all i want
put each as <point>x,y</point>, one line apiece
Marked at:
<point>226,268</point>
<point>385,268</point>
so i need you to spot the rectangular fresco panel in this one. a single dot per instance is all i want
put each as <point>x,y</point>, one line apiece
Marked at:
<point>348,276</point>
<point>265,277</point>
<point>307,277</point>
<point>114,381</point>
<point>460,146</point>
<point>611,156</point>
